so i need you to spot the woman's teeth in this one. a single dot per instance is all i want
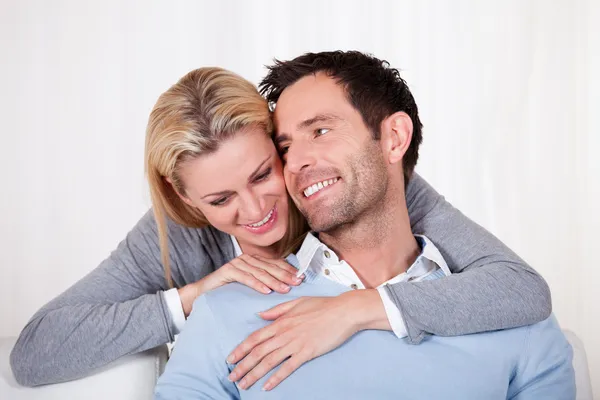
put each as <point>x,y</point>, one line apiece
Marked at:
<point>264,221</point>
<point>309,191</point>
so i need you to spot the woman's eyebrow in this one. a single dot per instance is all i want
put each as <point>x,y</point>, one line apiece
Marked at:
<point>256,171</point>
<point>250,179</point>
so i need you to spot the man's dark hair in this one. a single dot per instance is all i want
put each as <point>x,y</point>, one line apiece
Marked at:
<point>373,88</point>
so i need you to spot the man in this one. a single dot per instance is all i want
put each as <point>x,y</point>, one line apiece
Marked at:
<point>346,164</point>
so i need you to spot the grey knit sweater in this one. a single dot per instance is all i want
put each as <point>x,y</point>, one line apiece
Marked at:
<point>118,308</point>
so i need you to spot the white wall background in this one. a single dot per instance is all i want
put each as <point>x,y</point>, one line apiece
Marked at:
<point>507,92</point>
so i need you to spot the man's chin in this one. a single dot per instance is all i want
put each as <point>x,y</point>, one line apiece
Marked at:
<point>322,222</point>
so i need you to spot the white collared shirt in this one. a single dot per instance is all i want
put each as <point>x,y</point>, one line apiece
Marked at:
<point>237,250</point>
<point>317,257</point>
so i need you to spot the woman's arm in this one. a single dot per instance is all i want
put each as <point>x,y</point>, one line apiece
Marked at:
<point>120,307</point>
<point>495,289</point>
<point>117,309</point>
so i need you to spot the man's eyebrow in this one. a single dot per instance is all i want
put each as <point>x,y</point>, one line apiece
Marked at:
<point>250,179</point>
<point>318,118</point>
<point>282,137</point>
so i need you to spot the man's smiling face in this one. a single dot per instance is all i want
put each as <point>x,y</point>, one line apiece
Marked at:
<point>334,169</point>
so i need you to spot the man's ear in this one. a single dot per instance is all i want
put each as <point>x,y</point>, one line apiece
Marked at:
<point>181,196</point>
<point>396,134</point>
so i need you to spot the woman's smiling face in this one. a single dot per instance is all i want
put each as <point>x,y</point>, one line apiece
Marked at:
<point>240,189</point>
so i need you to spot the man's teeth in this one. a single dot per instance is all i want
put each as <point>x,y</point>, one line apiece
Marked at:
<point>309,191</point>
<point>264,221</point>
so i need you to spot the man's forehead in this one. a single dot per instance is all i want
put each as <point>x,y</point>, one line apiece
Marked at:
<point>309,98</point>
<point>310,85</point>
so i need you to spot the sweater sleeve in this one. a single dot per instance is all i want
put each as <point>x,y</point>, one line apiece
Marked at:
<point>491,289</point>
<point>116,310</point>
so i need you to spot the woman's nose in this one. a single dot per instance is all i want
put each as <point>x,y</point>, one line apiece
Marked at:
<point>253,205</point>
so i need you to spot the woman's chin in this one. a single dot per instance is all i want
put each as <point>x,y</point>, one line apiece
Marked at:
<point>266,239</point>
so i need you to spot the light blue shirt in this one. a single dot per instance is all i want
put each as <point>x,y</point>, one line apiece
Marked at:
<point>533,362</point>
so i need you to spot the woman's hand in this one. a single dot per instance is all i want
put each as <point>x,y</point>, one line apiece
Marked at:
<point>258,273</point>
<point>304,329</point>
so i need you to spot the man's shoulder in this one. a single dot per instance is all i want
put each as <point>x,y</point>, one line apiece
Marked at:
<point>229,309</point>
<point>230,296</point>
<point>229,290</point>
<point>547,334</point>
<point>235,302</point>
<point>516,343</point>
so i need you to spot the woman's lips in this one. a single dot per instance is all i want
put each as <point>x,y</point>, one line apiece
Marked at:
<point>267,226</point>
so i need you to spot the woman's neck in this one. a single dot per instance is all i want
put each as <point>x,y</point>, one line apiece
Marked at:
<point>252,249</point>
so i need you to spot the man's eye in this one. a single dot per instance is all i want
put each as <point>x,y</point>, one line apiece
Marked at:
<point>219,202</point>
<point>283,150</point>
<point>322,131</point>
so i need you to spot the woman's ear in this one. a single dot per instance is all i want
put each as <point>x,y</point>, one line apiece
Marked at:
<point>181,196</point>
<point>396,134</point>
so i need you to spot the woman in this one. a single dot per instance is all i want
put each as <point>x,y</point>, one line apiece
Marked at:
<point>213,201</point>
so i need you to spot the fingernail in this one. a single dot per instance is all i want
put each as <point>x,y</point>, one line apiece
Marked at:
<point>302,276</point>
<point>267,386</point>
<point>232,377</point>
<point>267,290</point>
<point>285,287</point>
<point>230,358</point>
<point>242,383</point>
<point>297,280</point>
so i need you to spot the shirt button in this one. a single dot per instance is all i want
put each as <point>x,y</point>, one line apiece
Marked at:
<point>327,254</point>
<point>354,286</point>
<point>326,272</point>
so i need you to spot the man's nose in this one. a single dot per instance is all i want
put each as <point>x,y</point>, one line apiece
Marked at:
<point>299,156</point>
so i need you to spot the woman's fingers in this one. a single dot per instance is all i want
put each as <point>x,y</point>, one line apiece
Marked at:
<point>251,281</point>
<point>276,275</point>
<point>312,327</point>
<point>268,363</point>
<point>280,309</point>
<point>255,339</point>
<point>286,369</point>
<point>280,263</point>
<point>279,269</point>
<point>247,368</point>
<point>263,276</point>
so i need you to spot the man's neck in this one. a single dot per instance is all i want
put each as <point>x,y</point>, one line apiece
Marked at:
<point>378,246</point>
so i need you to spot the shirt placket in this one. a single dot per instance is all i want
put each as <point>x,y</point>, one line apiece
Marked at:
<point>340,272</point>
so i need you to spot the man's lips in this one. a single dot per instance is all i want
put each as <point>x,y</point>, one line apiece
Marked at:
<point>319,186</point>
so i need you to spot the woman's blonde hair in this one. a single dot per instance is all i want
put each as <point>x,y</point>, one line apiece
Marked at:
<point>194,117</point>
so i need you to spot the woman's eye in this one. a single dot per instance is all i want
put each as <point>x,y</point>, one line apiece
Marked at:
<point>263,176</point>
<point>219,202</point>
<point>322,131</point>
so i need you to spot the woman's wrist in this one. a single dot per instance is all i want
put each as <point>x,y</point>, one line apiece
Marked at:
<point>366,310</point>
<point>189,293</point>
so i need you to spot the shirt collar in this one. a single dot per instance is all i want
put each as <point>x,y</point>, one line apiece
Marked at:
<point>310,246</point>
<point>237,250</point>
<point>313,248</point>
<point>431,252</point>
